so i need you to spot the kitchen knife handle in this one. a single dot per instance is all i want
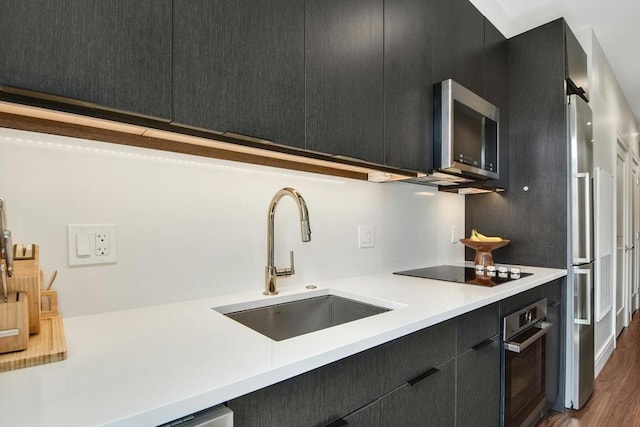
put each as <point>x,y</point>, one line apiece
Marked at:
<point>3,215</point>
<point>8,250</point>
<point>3,278</point>
<point>3,225</point>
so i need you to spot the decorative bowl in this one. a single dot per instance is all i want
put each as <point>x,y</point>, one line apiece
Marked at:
<point>483,250</point>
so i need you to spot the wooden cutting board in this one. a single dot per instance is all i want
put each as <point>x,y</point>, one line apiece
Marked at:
<point>46,347</point>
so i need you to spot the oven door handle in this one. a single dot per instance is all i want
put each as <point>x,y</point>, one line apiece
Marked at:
<point>518,347</point>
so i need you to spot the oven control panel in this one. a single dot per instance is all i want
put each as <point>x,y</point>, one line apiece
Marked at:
<point>524,318</point>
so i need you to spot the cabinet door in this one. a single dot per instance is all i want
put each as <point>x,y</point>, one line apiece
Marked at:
<point>408,85</point>
<point>576,64</point>
<point>115,53</point>
<point>478,386</point>
<point>429,402</point>
<point>459,44</point>
<point>497,68</point>
<point>239,67</point>
<point>344,78</point>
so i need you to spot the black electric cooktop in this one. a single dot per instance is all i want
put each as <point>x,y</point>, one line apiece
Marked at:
<point>451,273</point>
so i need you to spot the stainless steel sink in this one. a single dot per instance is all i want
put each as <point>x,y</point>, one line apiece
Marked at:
<point>290,319</point>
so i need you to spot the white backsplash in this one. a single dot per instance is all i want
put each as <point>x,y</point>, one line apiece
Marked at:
<point>191,227</point>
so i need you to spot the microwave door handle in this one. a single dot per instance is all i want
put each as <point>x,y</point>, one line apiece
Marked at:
<point>519,347</point>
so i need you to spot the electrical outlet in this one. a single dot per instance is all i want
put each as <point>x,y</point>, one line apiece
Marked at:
<point>102,244</point>
<point>91,244</point>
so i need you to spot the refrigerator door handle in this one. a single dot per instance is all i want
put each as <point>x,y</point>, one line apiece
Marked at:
<point>585,257</point>
<point>585,319</point>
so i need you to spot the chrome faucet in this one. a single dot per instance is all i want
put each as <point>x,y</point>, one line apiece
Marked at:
<point>271,271</point>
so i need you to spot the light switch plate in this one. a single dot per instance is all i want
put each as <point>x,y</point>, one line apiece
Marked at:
<point>366,236</point>
<point>92,244</point>
<point>456,234</point>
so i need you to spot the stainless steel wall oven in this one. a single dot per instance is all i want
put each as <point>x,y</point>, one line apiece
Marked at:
<point>523,365</point>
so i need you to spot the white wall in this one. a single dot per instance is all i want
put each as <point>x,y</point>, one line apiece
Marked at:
<point>191,227</point>
<point>612,120</point>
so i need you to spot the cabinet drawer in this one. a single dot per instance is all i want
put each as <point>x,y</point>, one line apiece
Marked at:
<point>477,326</point>
<point>429,402</point>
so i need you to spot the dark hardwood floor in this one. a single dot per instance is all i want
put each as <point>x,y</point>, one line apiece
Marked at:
<point>616,397</point>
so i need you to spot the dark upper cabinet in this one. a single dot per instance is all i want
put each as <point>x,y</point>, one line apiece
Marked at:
<point>497,92</point>
<point>470,50</point>
<point>459,44</point>
<point>496,66</point>
<point>535,207</point>
<point>238,66</point>
<point>115,53</point>
<point>575,65</point>
<point>408,89</point>
<point>344,78</point>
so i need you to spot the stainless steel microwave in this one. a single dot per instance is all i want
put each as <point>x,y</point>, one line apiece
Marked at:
<point>466,133</point>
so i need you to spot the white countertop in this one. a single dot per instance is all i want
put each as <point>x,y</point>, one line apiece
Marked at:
<point>154,364</point>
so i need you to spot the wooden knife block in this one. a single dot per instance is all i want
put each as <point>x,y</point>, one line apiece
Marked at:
<point>26,278</point>
<point>14,322</point>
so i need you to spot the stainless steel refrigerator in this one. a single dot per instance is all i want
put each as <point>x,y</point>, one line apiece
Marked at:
<point>580,338</point>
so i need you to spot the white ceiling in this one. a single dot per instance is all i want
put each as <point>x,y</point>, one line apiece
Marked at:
<point>616,24</point>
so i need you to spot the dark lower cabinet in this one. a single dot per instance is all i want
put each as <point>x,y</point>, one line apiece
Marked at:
<point>329,393</point>
<point>238,66</point>
<point>478,367</point>
<point>478,385</point>
<point>429,402</point>
<point>344,78</point>
<point>369,416</point>
<point>116,53</point>
<point>444,375</point>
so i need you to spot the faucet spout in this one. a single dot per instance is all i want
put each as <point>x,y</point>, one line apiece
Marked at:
<point>271,271</point>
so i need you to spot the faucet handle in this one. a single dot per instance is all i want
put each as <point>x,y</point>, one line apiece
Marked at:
<point>287,271</point>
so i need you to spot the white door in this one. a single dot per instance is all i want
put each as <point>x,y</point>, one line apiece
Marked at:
<point>622,203</point>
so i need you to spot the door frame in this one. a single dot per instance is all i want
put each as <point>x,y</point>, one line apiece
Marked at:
<point>622,273</point>
<point>635,233</point>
